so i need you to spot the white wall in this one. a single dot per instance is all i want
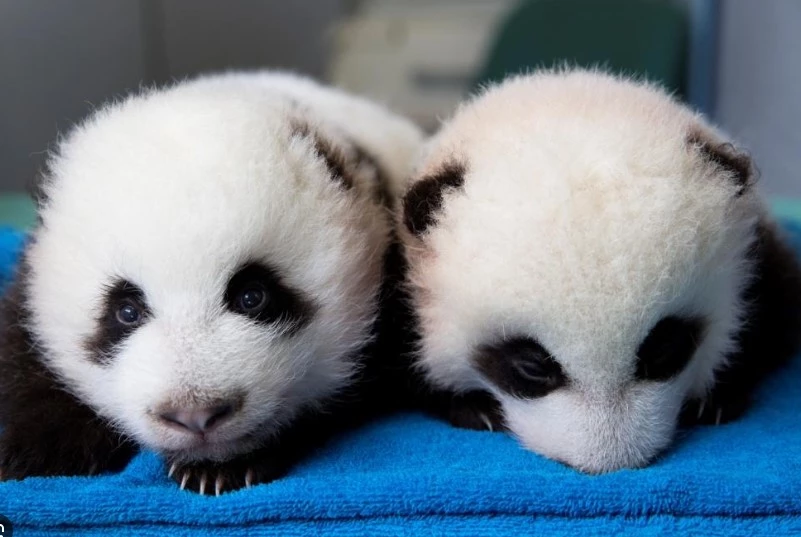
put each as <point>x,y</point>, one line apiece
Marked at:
<point>60,57</point>
<point>57,59</point>
<point>759,86</point>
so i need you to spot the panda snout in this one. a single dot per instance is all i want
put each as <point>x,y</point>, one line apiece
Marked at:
<point>198,419</point>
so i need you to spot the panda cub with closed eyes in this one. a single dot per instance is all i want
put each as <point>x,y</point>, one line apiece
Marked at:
<point>204,280</point>
<point>590,265</point>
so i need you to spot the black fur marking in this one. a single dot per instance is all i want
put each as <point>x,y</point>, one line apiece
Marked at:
<point>770,336</point>
<point>726,157</point>
<point>345,163</point>
<point>334,158</point>
<point>283,304</point>
<point>46,431</point>
<point>668,347</point>
<point>521,367</point>
<point>387,379</point>
<point>110,331</point>
<point>424,200</point>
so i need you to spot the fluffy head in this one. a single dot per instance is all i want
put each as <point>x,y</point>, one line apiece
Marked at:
<point>578,245</point>
<point>214,250</point>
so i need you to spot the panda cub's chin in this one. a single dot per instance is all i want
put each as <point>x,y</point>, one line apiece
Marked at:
<point>204,281</point>
<point>198,448</point>
<point>590,266</point>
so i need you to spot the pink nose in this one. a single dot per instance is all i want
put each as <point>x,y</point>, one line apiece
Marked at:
<point>197,420</point>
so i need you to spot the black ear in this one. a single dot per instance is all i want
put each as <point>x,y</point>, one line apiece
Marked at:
<point>346,161</point>
<point>333,156</point>
<point>424,199</point>
<point>736,164</point>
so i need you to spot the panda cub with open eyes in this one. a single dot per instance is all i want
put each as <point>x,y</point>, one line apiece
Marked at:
<point>204,280</point>
<point>589,265</point>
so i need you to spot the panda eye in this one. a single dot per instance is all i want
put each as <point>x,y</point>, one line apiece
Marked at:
<point>128,314</point>
<point>123,309</point>
<point>257,292</point>
<point>252,299</point>
<point>521,367</point>
<point>668,348</point>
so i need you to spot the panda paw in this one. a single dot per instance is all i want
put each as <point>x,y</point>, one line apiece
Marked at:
<point>476,410</point>
<point>23,455</point>
<point>19,462</point>
<point>716,409</point>
<point>215,478</point>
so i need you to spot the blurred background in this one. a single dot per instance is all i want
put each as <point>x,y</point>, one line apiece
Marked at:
<point>739,61</point>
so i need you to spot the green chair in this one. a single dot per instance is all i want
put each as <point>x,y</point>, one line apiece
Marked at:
<point>641,37</point>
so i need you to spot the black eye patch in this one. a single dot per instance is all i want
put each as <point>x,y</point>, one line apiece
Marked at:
<point>256,292</point>
<point>667,349</point>
<point>124,309</point>
<point>521,367</point>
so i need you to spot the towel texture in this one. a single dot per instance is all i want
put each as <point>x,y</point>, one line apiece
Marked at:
<point>10,247</point>
<point>411,475</point>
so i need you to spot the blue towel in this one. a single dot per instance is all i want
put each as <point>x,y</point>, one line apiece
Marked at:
<point>11,242</point>
<point>412,475</point>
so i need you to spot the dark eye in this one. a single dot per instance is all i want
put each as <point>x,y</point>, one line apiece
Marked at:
<point>252,299</point>
<point>257,292</point>
<point>123,310</point>
<point>521,367</point>
<point>128,314</point>
<point>667,349</point>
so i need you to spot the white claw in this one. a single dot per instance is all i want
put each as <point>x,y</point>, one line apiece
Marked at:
<point>173,467</point>
<point>718,415</point>
<point>203,483</point>
<point>486,421</point>
<point>218,485</point>
<point>701,408</point>
<point>249,478</point>
<point>184,479</point>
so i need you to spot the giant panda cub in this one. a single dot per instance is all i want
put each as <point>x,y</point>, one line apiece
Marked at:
<point>204,280</point>
<point>590,265</point>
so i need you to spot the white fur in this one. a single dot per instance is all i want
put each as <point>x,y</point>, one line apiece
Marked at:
<point>175,189</point>
<point>584,219</point>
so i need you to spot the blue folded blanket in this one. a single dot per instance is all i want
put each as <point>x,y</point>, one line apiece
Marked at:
<point>411,475</point>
